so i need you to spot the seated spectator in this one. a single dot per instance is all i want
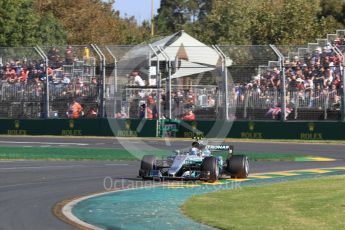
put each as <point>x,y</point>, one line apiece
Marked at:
<point>337,81</point>
<point>78,86</point>
<point>54,57</point>
<point>189,116</point>
<point>121,115</point>
<point>210,101</point>
<point>33,73</point>
<point>137,79</point>
<point>292,87</point>
<point>275,112</point>
<point>149,113</point>
<point>24,74</point>
<point>12,76</point>
<point>65,80</point>
<point>300,84</point>
<point>92,113</point>
<point>309,86</point>
<point>150,100</point>
<point>42,74</point>
<point>50,74</point>
<point>7,73</point>
<point>69,56</point>
<point>86,54</point>
<point>75,110</point>
<point>275,80</point>
<point>94,81</point>
<point>142,111</point>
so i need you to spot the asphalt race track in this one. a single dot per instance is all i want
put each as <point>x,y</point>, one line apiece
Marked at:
<point>30,189</point>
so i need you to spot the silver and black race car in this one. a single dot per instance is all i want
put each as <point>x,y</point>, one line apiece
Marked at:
<point>198,163</point>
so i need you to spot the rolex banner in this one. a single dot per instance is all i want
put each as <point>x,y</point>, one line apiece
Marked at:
<point>175,128</point>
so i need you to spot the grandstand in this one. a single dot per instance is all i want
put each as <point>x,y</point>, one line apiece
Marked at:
<point>173,76</point>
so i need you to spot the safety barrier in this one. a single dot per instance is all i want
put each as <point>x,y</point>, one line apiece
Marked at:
<point>175,128</point>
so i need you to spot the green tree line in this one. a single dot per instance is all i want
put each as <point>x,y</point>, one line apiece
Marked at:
<point>56,22</point>
<point>235,22</point>
<point>246,22</point>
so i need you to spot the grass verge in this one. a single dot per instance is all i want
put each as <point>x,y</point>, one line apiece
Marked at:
<point>54,153</point>
<point>306,204</point>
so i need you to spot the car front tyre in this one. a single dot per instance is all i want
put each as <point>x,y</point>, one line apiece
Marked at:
<point>209,164</point>
<point>148,163</point>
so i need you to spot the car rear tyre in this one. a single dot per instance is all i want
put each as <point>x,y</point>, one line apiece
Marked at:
<point>209,164</point>
<point>238,166</point>
<point>148,163</point>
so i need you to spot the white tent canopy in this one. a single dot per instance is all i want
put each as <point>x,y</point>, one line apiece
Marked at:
<point>187,68</point>
<point>189,55</point>
<point>195,56</point>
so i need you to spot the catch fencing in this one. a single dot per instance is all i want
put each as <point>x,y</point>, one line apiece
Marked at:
<point>171,80</point>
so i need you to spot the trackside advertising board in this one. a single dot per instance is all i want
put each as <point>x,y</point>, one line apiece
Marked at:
<point>175,128</point>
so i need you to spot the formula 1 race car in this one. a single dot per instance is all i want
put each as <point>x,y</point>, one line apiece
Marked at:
<point>198,163</point>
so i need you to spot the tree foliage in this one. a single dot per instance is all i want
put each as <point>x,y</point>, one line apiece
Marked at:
<point>171,16</point>
<point>175,15</point>
<point>20,25</point>
<point>94,21</point>
<point>252,21</point>
<point>48,22</point>
<point>333,8</point>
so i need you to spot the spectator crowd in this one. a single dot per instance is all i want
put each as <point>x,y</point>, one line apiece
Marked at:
<point>313,80</point>
<point>185,101</point>
<point>69,78</point>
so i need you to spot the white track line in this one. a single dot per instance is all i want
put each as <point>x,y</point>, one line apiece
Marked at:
<point>44,167</point>
<point>67,209</point>
<point>23,184</point>
<point>43,143</point>
<point>67,212</point>
<point>60,166</point>
<point>116,164</point>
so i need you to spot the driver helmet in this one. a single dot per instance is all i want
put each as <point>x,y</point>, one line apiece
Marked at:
<point>195,144</point>
<point>195,148</point>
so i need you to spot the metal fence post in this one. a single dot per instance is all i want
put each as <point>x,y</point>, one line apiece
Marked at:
<point>226,84</point>
<point>283,89</point>
<point>168,60</point>
<point>102,65</point>
<point>115,77</point>
<point>343,99</point>
<point>158,84</point>
<point>219,94</point>
<point>45,58</point>
<point>297,104</point>
<point>342,57</point>
<point>103,113</point>
<point>343,91</point>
